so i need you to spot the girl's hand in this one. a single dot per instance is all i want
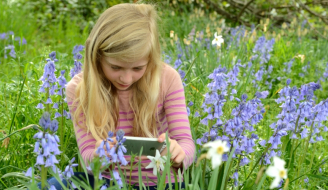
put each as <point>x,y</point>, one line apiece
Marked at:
<point>177,153</point>
<point>98,144</point>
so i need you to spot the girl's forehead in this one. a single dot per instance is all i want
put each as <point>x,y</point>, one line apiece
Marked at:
<point>134,63</point>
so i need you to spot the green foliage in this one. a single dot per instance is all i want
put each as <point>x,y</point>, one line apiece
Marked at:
<point>59,25</point>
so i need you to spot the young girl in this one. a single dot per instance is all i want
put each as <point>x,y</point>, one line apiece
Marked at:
<point>125,85</point>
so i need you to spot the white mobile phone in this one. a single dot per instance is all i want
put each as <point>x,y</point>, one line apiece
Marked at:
<point>150,145</point>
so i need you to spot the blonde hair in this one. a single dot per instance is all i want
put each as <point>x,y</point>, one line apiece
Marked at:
<point>126,32</point>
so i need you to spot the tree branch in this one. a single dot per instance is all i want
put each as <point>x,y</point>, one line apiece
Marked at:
<point>313,13</point>
<point>242,10</point>
<point>224,13</point>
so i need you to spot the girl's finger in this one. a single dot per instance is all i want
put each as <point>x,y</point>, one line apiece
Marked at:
<point>180,157</point>
<point>161,138</point>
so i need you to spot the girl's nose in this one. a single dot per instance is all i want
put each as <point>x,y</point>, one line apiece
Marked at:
<point>126,78</point>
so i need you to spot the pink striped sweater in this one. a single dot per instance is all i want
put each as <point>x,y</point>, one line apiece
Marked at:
<point>173,118</point>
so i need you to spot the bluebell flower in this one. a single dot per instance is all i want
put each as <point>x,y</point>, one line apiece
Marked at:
<point>263,48</point>
<point>40,106</point>
<point>76,69</point>
<point>178,62</point>
<point>77,49</point>
<point>29,172</point>
<point>3,36</point>
<point>182,73</point>
<point>235,177</point>
<point>55,106</point>
<point>117,177</point>
<point>61,79</point>
<point>67,114</point>
<point>100,150</point>
<point>244,161</point>
<point>12,52</point>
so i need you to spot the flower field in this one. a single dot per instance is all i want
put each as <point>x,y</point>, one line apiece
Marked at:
<point>256,99</point>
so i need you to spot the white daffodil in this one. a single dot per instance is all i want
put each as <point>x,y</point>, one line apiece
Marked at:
<point>273,12</point>
<point>277,171</point>
<point>157,162</point>
<point>218,40</point>
<point>217,149</point>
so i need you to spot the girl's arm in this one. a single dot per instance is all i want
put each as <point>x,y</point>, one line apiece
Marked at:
<point>85,141</point>
<point>177,122</point>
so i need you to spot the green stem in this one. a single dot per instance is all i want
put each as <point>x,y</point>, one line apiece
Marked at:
<point>204,170</point>
<point>47,105</point>
<point>16,105</point>
<point>62,127</point>
<point>209,138</point>
<point>257,162</point>
<point>293,144</point>
<point>306,146</point>
<point>312,157</point>
<point>43,177</point>
<point>34,126</point>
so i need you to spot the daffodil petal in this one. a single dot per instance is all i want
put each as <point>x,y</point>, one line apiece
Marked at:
<point>272,171</point>
<point>275,182</point>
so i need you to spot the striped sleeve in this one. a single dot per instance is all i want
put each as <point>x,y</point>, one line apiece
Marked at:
<point>177,117</point>
<point>85,141</point>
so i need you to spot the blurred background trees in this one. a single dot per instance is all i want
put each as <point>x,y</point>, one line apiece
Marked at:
<point>235,12</point>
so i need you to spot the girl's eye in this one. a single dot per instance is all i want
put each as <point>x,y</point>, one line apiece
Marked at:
<point>137,69</point>
<point>115,68</point>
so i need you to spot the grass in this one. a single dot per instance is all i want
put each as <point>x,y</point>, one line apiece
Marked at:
<point>19,84</point>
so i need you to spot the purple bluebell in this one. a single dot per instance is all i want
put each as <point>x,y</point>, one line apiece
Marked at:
<point>21,42</point>
<point>76,69</point>
<point>178,62</point>
<point>263,48</point>
<point>55,106</point>
<point>3,36</point>
<point>29,172</point>
<point>235,177</point>
<point>288,65</point>
<point>120,148</point>
<point>52,56</point>
<point>62,83</point>
<point>100,150</point>
<point>259,74</point>
<point>12,52</point>
<point>244,161</point>
<point>167,58</point>
<point>67,114</point>
<point>76,51</point>
<point>118,179</point>
<point>48,78</point>
<point>182,73</point>
<point>236,35</point>
<point>40,106</point>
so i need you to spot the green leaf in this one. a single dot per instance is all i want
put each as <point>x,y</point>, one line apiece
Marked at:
<point>318,176</point>
<point>214,178</point>
<point>16,174</point>
<point>261,182</point>
<point>139,170</point>
<point>226,169</point>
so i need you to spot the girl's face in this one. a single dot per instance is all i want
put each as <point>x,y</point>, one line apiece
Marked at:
<point>122,74</point>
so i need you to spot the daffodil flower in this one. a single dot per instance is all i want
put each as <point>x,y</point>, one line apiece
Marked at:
<point>277,171</point>
<point>218,40</point>
<point>217,149</point>
<point>157,162</point>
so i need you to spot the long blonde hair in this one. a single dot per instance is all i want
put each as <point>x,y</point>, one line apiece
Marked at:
<point>126,32</point>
